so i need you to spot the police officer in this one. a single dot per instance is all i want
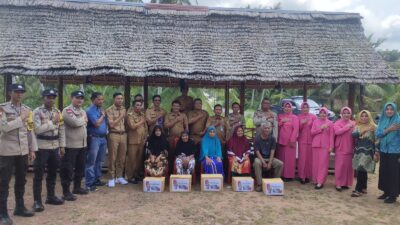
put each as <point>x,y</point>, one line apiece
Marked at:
<point>73,161</point>
<point>18,143</point>
<point>50,135</point>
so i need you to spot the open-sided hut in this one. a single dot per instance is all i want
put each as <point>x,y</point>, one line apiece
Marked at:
<point>154,44</point>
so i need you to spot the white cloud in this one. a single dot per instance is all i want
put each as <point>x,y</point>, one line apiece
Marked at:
<point>392,21</point>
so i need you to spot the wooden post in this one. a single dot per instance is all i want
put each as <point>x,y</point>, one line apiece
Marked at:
<point>145,92</point>
<point>305,90</point>
<point>241,97</point>
<point>127,92</point>
<point>60,93</point>
<point>7,84</point>
<point>226,98</point>
<point>351,95</point>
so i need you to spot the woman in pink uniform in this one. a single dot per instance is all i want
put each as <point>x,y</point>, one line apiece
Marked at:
<point>344,127</point>
<point>288,132</point>
<point>304,163</point>
<point>322,144</point>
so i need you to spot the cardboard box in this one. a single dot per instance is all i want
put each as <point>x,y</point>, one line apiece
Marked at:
<point>212,182</point>
<point>153,184</point>
<point>273,186</point>
<point>242,184</point>
<point>180,183</point>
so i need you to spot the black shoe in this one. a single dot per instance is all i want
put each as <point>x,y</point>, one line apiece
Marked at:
<point>302,181</point>
<point>37,206</point>
<point>287,179</point>
<point>5,219</point>
<point>133,181</point>
<point>139,179</point>
<point>69,197</point>
<point>54,200</point>
<point>390,200</point>
<point>22,211</point>
<point>345,187</point>
<point>307,180</point>
<point>80,191</point>
<point>383,196</point>
<point>99,183</point>
<point>318,187</point>
<point>91,189</point>
<point>339,189</point>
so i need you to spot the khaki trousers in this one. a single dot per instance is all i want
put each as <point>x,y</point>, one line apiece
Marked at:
<point>117,144</point>
<point>134,161</point>
<point>277,165</point>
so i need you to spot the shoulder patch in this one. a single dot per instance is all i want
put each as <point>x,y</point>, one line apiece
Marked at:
<point>25,106</point>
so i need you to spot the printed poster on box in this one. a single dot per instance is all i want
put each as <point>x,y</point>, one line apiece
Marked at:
<point>180,185</point>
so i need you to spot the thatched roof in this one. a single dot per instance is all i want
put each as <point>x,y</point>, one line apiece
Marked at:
<point>47,37</point>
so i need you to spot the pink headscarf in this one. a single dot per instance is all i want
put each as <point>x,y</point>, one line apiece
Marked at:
<point>323,109</point>
<point>290,104</point>
<point>345,108</point>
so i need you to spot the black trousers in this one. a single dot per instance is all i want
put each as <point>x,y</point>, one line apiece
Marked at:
<point>8,165</point>
<point>50,159</point>
<point>389,174</point>
<point>72,168</point>
<point>362,178</point>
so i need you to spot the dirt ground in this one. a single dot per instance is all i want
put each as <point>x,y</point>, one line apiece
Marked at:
<point>300,205</point>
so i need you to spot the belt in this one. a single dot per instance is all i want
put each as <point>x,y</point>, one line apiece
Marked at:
<point>47,138</point>
<point>118,132</point>
<point>98,136</point>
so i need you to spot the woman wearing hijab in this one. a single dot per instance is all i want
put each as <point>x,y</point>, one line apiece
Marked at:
<point>156,164</point>
<point>210,154</point>
<point>184,152</point>
<point>288,125</point>
<point>238,153</point>
<point>304,162</point>
<point>364,151</point>
<point>322,144</point>
<point>389,153</point>
<point>344,148</point>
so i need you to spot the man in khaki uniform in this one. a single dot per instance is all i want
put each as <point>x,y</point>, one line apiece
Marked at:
<point>220,123</point>
<point>266,114</point>
<point>137,134</point>
<point>175,122</point>
<point>197,121</point>
<point>235,118</point>
<point>50,135</point>
<point>17,140</point>
<point>185,100</point>
<point>117,140</point>
<point>73,160</point>
<point>155,114</point>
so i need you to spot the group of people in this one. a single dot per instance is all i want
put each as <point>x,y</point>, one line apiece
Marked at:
<point>155,143</point>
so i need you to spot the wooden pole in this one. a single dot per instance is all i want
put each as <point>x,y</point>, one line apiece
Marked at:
<point>226,99</point>
<point>60,93</point>
<point>145,92</point>
<point>351,95</point>
<point>127,92</point>
<point>241,97</point>
<point>305,90</point>
<point>7,84</point>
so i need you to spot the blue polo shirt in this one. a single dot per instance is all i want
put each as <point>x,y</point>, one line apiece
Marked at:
<point>93,114</point>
